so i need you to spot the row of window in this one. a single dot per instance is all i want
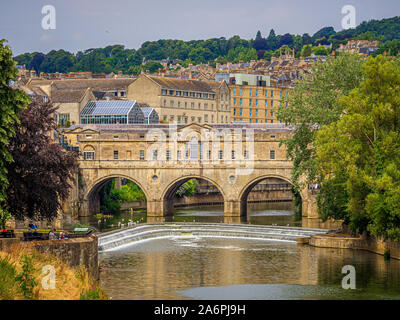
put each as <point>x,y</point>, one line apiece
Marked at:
<point>194,154</point>
<point>251,112</point>
<point>191,94</point>
<point>256,120</point>
<point>193,106</point>
<point>182,119</point>
<point>256,102</point>
<point>256,92</point>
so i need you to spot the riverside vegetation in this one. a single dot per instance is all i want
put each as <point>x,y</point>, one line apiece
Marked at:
<point>21,278</point>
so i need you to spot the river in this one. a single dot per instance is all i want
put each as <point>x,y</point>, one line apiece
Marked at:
<point>219,268</point>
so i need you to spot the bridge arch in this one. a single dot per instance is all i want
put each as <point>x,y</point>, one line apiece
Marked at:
<point>172,187</point>
<point>91,198</point>
<point>246,189</point>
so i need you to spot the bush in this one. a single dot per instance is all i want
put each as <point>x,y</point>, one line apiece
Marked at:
<point>26,279</point>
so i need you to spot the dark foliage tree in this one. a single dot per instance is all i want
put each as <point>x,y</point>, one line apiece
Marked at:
<point>36,62</point>
<point>12,102</point>
<point>306,39</point>
<point>286,40</point>
<point>324,32</point>
<point>272,40</point>
<point>260,44</point>
<point>40,175</point>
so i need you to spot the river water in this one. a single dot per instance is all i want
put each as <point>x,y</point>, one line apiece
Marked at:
<point>221,268</point>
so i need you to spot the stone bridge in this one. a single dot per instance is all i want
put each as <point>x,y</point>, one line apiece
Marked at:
<point>159,159</point>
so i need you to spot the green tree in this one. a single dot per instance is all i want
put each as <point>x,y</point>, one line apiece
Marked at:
<point>320,51</point>
<point>365,144</point>
<point>313,103</point>
<point>306,51</point>
<point>12,102</point>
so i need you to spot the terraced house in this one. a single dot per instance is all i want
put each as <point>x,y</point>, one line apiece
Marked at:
<point>183,101</point>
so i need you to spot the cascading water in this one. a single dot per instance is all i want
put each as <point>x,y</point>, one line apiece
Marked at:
<point>116,239</point>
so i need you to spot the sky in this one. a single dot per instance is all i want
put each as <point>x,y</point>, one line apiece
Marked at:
<point>84,24</point>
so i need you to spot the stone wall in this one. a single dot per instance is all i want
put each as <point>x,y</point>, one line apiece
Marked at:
<point>371,244</point>
<point>74,252</point>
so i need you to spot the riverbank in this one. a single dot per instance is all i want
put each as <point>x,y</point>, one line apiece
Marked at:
<point>367,243</point>
<point>26,274</point>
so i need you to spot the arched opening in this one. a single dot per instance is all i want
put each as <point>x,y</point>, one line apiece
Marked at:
<point>194,199</point>
<point>271,200</point>
<point>115,201</point>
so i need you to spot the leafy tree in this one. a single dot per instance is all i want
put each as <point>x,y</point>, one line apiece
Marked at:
<point>152,66</point>
<point>268,55</point>
<point>324,32</point>
<point>320,51</point>
<point>287,40</point>
<point>313,103</point>
<point>306,51</point>
<point>40,175</point>
<point>272,40</point>
<point>12,102</point>
<point>36,62</point>
<point>365,144</point>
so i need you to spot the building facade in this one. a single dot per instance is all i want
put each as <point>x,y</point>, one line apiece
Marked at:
<point>183,101</point>
<point>256,103</point>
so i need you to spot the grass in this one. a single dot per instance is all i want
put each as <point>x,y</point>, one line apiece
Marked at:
<point>71,283</point>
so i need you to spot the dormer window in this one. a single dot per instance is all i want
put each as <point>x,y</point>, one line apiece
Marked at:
<point>164,92</point>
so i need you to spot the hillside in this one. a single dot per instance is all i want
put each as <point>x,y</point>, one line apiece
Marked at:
<point>117,57</point>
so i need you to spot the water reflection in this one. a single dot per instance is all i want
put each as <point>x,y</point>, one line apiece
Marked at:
<point>270,213</point>
<point>215,268</point>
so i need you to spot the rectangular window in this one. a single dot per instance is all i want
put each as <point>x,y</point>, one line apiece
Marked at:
<point>272,103</point>
<point>250,112</point>
<point>220,154</point>
<point>256,102</point>
<point>141,155</point>
<point>115,154</point>
<point>179,154</point>
<point>256,112</point>
<point>88,155</point>
<point>272,93</point>
<point>272,154</point>
<point>168,155</point>
<point>256,92</point>
<point>241,101</point>
<point>241,112</point>
<point>234,101</point>
<point>234,111</point>
<point>250,92</point>
<point>246,154</point>
<point>266,103</point>
<point>266,93</point>
<point>155,155</point>
<point>250,102</point>
<point>241,91</point>
<point>234,91</point>
<point>233,155</point>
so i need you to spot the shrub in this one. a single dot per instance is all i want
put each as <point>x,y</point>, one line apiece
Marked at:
<point>26,279</point>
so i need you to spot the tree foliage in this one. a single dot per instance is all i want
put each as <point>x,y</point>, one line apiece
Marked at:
<point>12,102</point>
<point>41,173</point>
<point>116,57</point>
<point>363,149</point>
<point>314,103</point>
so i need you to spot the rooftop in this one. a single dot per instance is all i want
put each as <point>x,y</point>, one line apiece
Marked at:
<point>112,107</point>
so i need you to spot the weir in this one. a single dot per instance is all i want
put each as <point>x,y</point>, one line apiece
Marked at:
<point>116,239</point>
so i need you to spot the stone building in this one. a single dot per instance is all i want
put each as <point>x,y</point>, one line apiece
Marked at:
<point>255,101</point>
<point>183,101</point>
<point>72,95</point>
